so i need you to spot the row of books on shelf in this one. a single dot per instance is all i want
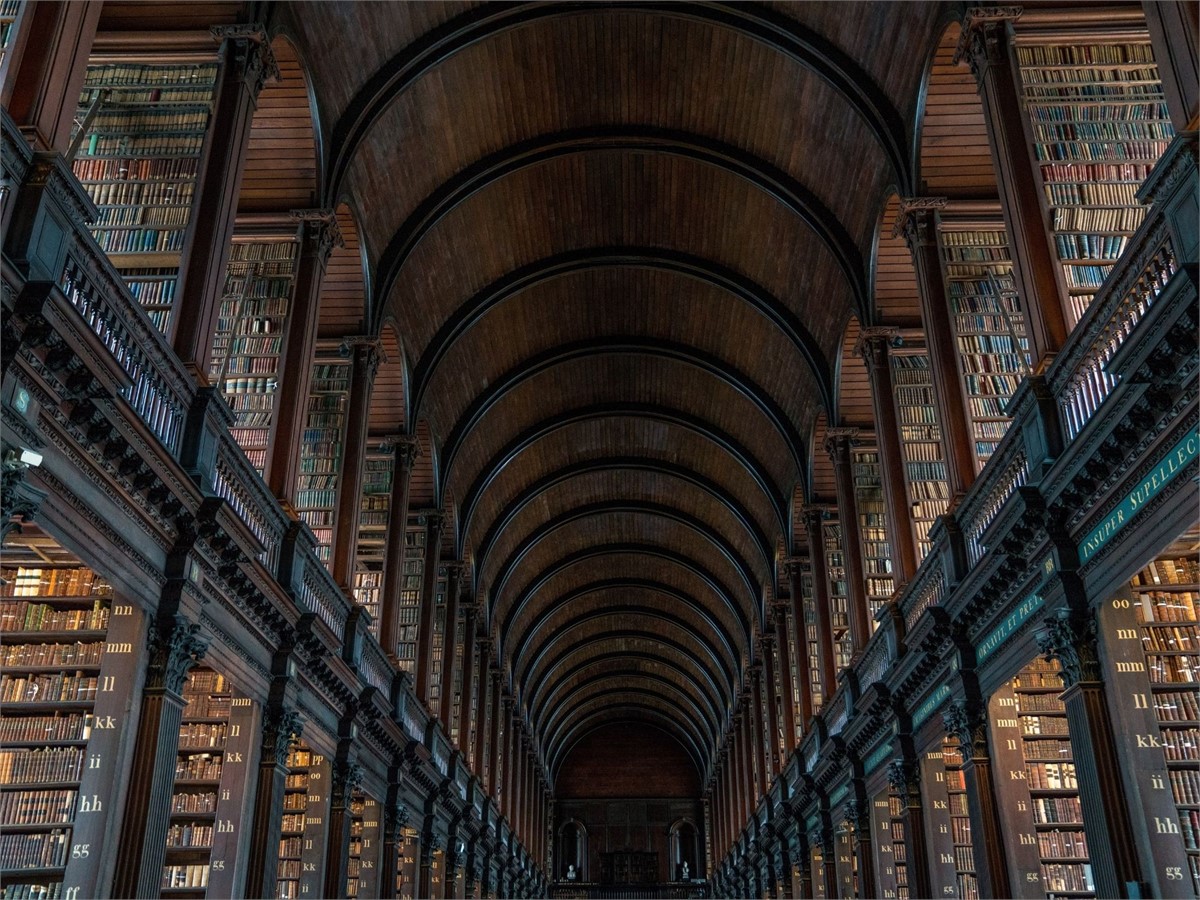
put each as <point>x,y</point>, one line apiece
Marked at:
<point>1106,193</point>
<point>152,173</point>
<point>47,764</point>
<point>130,196</point>
<point>205,707</point>
<point>48,688</point>
<point>1099,151</point>
<point>1080,54</point>
<point>122,117</point>
<point>1127,108</point>
<point>1090,219</point>
<point>44,807</point>
<point>1039,703</point>
<point>190,835</point>
<point>35,851</point>
<point>58,727</point>
<point>1180,571</point>
<point>1090,246</point>
<point>152,287</point>
<point>36,655</point>
<point>198,767</point>
<point>1067,877</point>
<point>313,499</point>
<point>160,239</point>
<point>1131,173</point>
<point>1185,784</point>
<point>1051,776</point>
<point>250,317</point>
<point>1062,844</point>
<point>110,217</point>
<point>1133,80</point>
<point>25,616</point>
<point>150,74</point>
<point>267,297</point>
<point>1181,744</point>
<point>1049,750</point>
<point>1086,277</point>
<point>194,735</point>
<point>1057,810</point>
<point>157,143</point>
<point>24,581</point>
<point>293,823</point>
<point>201,803</point>
<point>1172,638</point>
<point>988,344</point>
<point>1189,827</point>
<point>194,875</point>
<point>1173,669</point>
<point>1043,725</point>
<point>23,890</point>
<point>1154,607</point>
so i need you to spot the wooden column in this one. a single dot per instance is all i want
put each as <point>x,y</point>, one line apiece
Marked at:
<point>466,706</point>
<point>873,344</point>
<point>757,729</point>
<point>904,776</point>
<point>245,64</point>
<point>793,569</point>
<point>454,573</point>
<point>986,43</point>
<point>918,219</point>
<point>838,444</point>
<point>772,655</point>
<point>1173,27</point>
<point>829,863</point>
<point>506,792</point>
<point>366,355</point>
<point>425,866</point>
<point>494,735</point>
<point>175,648</point>
<point>395,817</point>
<point>281,728</point>
<point>483,702</point>
<point>1071,639</point>
<point>738,777</point>
<point>813,524</point>
<point>749,773</point>
<point>406,448</point>
<point>425,615</point>
<point>787,684</point>
<point>45,67</point>
<point>968,722</point>
<point>318,235</point>
<point>346,775</point>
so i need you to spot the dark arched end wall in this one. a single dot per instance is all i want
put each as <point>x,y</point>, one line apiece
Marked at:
<point>628,783</point>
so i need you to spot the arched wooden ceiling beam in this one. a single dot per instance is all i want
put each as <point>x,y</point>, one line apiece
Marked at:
<point>774,182</point>
<point>529,667</point>
<point>521,641</point>
<point>655,413</point>
<point>538,646</point>
<point>622,464</point>
<point>686,562</point>
<point>635,345</point>
<point>539,705</point>
<point>680,730</point>
<point>571,262</point>
<point>673,699</point>
<point>600,647</point>
<point>782,34</point>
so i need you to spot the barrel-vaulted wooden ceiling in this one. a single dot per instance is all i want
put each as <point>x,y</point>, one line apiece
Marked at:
<point>615,248</point>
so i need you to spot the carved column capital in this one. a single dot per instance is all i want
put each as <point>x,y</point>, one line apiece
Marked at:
<point>433,520</point>
<point>395,817</point>
<point>17,497</point>
<point>979,42</point>
<point>915,220</point>
<point>175,649</point>
<point>793,566</point>
<point>319,231</point>
<point>969,725</point>
<point>813,516</point>
<point>252,53</point>
<point>904,776</point>
<point>282,728</point>
<point>838,442</point>
<point>873,343</point>
<point>859,815</point>
<point>1071,639</point>
<point>367,352</point>
<point>406,447</point>
<point>346,776</point>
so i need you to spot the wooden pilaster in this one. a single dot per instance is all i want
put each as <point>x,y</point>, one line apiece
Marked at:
<point>406,449</point>
<point>813,524</point>
<point>787,684</point>
<point>918,219</point>
<point>246,63</point>
<point>281,728</point>
<point>175,648</point>
<point>904,776</point>
<point>346,777</point>
<point>425,615</point>
<point>968,721</point>
<point>1173,28</point>
<point>466,707</point>
<point>873,346</point>
<point>318,235</point>
<point>45,68</point>
<point>838,443</point>
<point>365,355</point>
<point>793,568</point>
<point>986,44</point>
<point>454,573</point>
